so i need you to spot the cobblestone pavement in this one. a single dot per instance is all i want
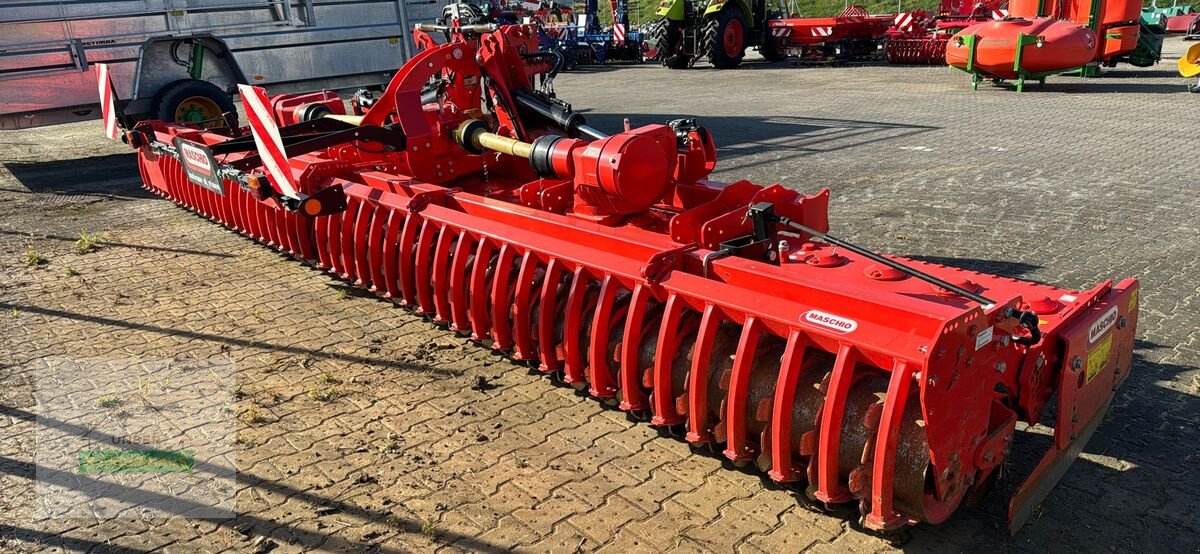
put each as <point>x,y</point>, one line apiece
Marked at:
<point>359,426</point>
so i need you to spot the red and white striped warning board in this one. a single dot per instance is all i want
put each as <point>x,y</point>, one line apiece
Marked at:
<point>999,14</point>
<point>903,21</point>
<point>780,32</point>
<point>619,33</point>
<point>266,137</point>
<point>108,103</point>
<point>822,31</point>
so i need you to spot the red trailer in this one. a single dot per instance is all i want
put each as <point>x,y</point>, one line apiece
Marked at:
<point>852,34</point>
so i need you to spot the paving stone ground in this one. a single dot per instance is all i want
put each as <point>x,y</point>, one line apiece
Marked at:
<point>359,426</point>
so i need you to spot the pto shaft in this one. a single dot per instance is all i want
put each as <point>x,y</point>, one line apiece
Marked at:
<point>474,136</point>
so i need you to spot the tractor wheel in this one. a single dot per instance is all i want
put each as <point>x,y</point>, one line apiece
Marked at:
<point>769,46</point>
<point>725,38</point>
<point>667,37</point>
<point>468,14</point>
<point>192,101</point>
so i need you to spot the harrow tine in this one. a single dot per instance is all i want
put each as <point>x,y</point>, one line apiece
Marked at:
<point>243,210</point>
<point>424,270</point>
<point>321,241</point>
<point>304,237</point>
<point>337,228</point>
<point>283,220</point>
<point>699,430</point>
<point>391,247</point>
<point>375,245</point>
<point>549,316</point>
<point>447,238</point>
<point>882,483</point>
<point>276,229</point>
<point>362,233</point>
<point>464,257</point>
<point>828,486</point>
<point>781,414</point>
<point>632,396</point>
<point>291,234</point>
<point>573,359</point>
<point>235,209</point>
<point>478,292</point>
<point>350,233</point>
<point>527,281</point>
<point>501,331</point>
<point>599,374</point>
<point>737,394</point>
<point>408,245</point>
<point>669,332</point>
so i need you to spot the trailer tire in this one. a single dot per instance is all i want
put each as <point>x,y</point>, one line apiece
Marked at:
<point>725,38</point>
<point>193,101</point>
<point>769,45</point>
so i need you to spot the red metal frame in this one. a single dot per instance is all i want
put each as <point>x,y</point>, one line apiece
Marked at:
<point>818,37</point>
<point>640,307</point>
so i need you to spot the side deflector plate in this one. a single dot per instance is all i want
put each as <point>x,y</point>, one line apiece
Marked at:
<point>1097,358</point>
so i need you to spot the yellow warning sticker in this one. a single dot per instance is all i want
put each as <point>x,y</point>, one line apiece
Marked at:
<point>1133,301</point>
<point>1098,358</point>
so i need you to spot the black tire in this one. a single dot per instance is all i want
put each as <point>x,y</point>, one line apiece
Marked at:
<point>469,14</point>
<point>714,32</point>
<point>173,97</point>
<point>769,45</point>
<point>668,35</point>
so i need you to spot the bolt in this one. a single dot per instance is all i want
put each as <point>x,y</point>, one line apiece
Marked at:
<point>1039,362</point>
<point>1121,323</point>
<point>1001,367</point>
<point>932,381</point>
<point>1004,340</point>
<point>1077,362</point>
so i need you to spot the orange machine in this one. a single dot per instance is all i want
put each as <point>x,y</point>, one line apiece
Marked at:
<point>1044,37</point>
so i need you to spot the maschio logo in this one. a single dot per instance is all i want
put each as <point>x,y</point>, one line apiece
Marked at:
<point>1102,325</point>
<point>195,157</point>
<point>830,321</point>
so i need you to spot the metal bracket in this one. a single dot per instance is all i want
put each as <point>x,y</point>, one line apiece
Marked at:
<point>661,263</point>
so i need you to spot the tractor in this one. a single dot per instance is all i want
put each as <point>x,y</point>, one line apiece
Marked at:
<point>720,30</point>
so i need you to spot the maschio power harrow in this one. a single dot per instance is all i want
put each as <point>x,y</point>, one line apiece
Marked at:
<point>469,194</point>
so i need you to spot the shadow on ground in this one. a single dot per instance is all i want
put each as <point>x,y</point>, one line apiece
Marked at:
<point>111,177</point>
<point>780,136</point>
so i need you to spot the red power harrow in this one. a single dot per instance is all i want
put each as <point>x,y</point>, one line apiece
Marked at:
<point>918,38</point>
<point>469,194</point>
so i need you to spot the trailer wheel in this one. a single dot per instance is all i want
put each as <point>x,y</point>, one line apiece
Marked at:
<point>725,38</point>
<point>769,45</point>
<point>193,101</point>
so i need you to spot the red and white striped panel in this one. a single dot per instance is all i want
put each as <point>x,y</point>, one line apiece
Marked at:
<point>619,33</point>
<point>108,103</point>
<point>822,31</point>
<point>999,14</point>
<point>266,137</point>
<point>779,32</point>
<point>903,21</point>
